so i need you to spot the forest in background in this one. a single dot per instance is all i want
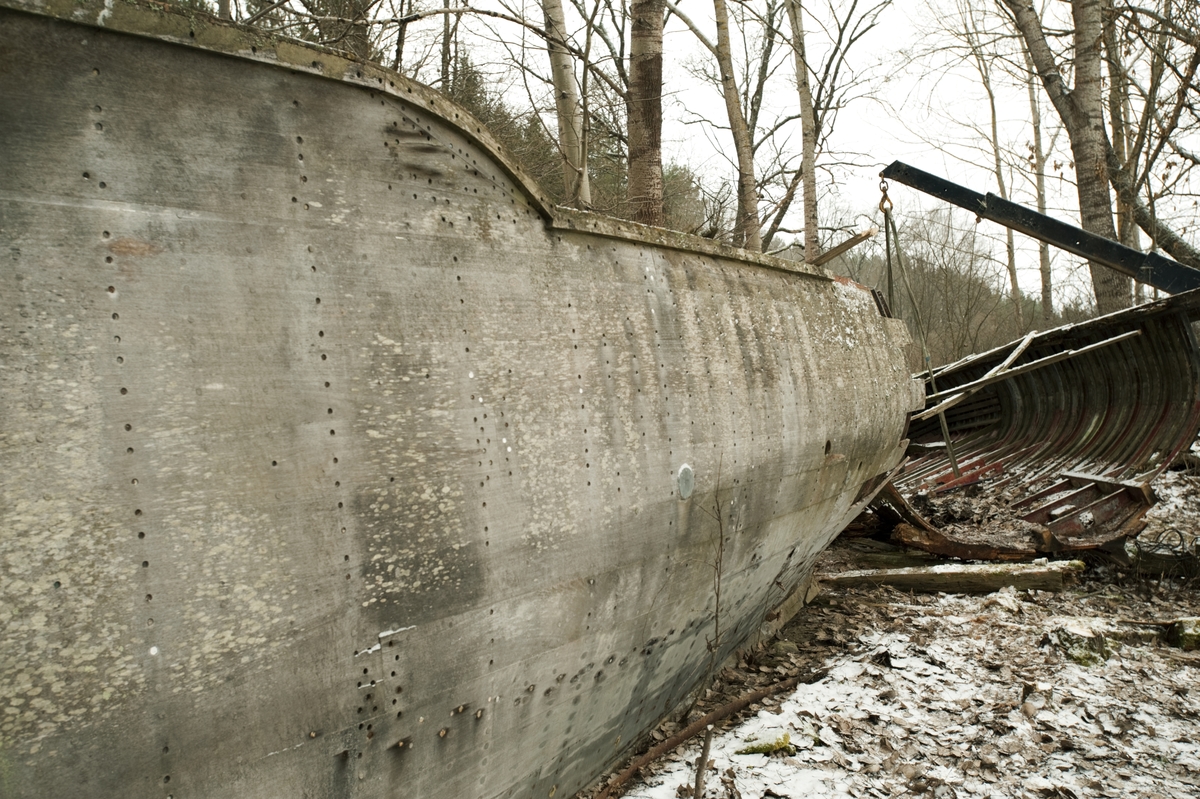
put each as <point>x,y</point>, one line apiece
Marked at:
<point>1086,110</point>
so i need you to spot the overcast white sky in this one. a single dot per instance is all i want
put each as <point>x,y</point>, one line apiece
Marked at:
<point>905,114</point>
<point>927,110</point>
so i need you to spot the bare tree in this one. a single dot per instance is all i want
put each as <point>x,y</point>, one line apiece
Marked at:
<point>982,58</point>
<point>808,128</point>
<point>645,111</point>
<point>831,82</point>
<point>746,229</point>
<point>1081,109</point>
<point>956,283</point>
<point>566,100</point>
<point>761,149</point>
<point>747,233</point>
<point>1038,156</point>
<point>1152,55</point>
<point>344,24</point>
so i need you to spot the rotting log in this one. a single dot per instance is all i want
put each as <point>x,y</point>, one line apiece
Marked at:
<point>953,578</point>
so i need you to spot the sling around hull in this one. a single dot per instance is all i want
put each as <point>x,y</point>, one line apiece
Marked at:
<point>336,462</point>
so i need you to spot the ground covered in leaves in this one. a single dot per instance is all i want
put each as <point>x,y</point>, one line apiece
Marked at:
<point>1013,694</point>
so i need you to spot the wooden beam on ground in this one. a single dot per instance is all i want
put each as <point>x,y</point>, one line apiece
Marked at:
<point>957,578</point>
<point>934,541</point>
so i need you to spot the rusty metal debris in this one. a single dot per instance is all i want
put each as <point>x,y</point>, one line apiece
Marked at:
<point>1048,445</point>
<point>1058,445</point>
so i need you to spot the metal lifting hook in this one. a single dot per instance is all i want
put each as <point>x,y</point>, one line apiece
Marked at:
<point>892,235</point>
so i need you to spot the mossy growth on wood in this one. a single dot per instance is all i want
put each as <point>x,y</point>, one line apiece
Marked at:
<point>781,744</point>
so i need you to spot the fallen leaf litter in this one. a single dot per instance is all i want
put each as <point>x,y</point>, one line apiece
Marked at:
<point>1010,694</point>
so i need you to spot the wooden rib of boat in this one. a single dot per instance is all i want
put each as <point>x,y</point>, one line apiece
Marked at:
<point>336,462</point>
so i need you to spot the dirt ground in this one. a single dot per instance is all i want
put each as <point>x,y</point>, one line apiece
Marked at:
<point>1013,694</point>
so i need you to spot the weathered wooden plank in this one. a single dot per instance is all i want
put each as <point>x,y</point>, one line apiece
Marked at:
<point>955,578</point>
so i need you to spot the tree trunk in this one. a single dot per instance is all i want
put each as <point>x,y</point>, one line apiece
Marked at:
<point>223,9</point>
<point>1081,112</point>
<point>1118,116</point>
<point>645,189</point>
<point>1039,167</point>
<point>985,76</point>
<point>566,100</point>
<point>398,61</point>
<point>808,130</point>
<point>1087,145</point>
<point>746,229</point>
<point>1162,235</point>
<point>446,49</point>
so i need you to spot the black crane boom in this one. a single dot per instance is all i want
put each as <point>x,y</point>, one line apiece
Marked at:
<point>1152,269</point>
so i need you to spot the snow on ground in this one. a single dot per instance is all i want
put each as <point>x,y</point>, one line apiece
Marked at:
<point>1174,523</point>
<point>959,696</point>
<point>1073,694</point>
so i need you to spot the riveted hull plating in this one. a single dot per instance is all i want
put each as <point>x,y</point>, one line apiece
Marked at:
<point>336,462</point>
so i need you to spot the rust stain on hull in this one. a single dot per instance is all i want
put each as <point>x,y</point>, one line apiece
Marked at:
<point>134,247</point>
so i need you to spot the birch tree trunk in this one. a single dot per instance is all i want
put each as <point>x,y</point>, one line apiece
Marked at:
<point>808,130</point>
<point>1081,111</point>
<point>566,100</point>
<point>1039,168</point>
<point>446,49</point>
<point>1118,116</point>
<point>985,76</point>
<point>645,189</point>
<point>746,229</point>
<point>1088,146</point>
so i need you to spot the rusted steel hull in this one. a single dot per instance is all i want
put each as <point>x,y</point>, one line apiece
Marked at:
<point>1059,458</point>
<point>335,462</point>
